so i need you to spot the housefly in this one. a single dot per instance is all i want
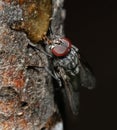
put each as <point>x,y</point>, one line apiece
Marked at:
<point>70,69</point>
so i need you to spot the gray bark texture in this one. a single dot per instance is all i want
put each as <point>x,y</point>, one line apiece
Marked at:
<point>26,93</point>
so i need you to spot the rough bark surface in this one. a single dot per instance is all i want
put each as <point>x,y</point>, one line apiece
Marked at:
<point>26,93</point>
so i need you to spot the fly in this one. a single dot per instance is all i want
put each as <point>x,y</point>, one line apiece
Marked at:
<point>69,69</point>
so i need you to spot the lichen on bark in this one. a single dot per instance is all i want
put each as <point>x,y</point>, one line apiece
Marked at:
<point>35,18</point>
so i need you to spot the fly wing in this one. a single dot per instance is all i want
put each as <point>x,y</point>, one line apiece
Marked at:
<point>71,86</point>
<point>87,77</point>
<point>72,92</point>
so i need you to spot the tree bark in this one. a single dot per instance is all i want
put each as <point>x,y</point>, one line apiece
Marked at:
<point>27,93</point>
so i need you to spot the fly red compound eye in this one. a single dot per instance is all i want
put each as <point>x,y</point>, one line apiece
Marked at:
<point>61,48</point>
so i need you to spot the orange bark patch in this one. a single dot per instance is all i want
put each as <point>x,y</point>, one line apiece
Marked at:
<point>12,123</point>
<point>21,1</point>
<point>13,78</point>
<point>7,107</point>
<point>1,7</point>
<point>19,81</point>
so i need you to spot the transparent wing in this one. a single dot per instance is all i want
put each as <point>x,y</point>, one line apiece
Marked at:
<point>87,77</point>
<point>72,93</point>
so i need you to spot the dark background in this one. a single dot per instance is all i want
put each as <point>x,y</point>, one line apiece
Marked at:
<point>92,26</point>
